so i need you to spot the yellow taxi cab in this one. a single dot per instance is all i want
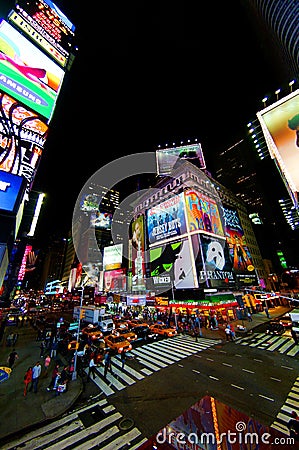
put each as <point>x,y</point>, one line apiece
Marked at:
<point>117,343</point>
<point>137,323</point>
<point>126,333</point>
<point>163,330</point>
<point>93,332</point>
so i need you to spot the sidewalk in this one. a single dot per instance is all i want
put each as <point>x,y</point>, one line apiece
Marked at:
<point>19,413</point>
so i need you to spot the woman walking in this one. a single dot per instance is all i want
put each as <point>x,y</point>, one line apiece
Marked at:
<point>27,379</point>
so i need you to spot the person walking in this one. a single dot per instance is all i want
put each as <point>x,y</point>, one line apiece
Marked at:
<point>227,332</point>
<point>47,363</point>
<point>27,379</point>
<point>12,357</point>
<point>249,316</point>
<point>107,363</point>
<point>232,333</point>
<point>91,369</point>
<point>294,336</point>
<point>55,374</point>
<point>36,371</point>
<point>42,349</point>
<point>293,426</point>
<point>123,359</point>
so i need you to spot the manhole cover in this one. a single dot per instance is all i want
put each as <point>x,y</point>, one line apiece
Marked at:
<point>91,416</point>
<point>126,423</point>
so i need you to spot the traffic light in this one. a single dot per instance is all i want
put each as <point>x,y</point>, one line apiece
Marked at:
<point>82,313</point>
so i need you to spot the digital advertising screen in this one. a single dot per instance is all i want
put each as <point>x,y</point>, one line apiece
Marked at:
<point>49,21</point>
<point>213,262</point>
<point>22,139</point>
<point>166,158</point>
<point>12,188</point>
<point>115,280</point>
<point>26,73</point>
<point>101,220</point>
<point>280,125</point>
<point>203,213</point>
<point>166,220</point>
<point>239,252</point>
<point>138,247</point>
<point>112,257</point>
<point>90,202</point>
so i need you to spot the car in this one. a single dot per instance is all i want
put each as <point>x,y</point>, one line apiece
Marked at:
<point>93,332</point>
<point>163,330</point>
<point>117,343</point>
<point>137,323</point>
<point>126,333</point>
<point>120,323</point>
<point>274,327</point>
<point>144,333</point>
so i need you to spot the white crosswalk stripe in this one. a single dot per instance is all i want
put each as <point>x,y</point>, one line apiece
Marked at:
<point>291,404</point>
<point>81,430</point>
<point>282,344</point>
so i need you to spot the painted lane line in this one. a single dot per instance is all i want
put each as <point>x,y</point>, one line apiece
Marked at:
<point>197,356</point>
<point>213,378</point>
<point>275,379</point>
<point>287,367</point>
<point>228,365</point>
<point>267,398</point>
<point>258,360</point>
<point>180,365</point>
<point>222,351</point>
<point>209,359</point>
<point>249,371</point>
<point>237,387</point>
<point>239,356</point>
<point>196,371</point>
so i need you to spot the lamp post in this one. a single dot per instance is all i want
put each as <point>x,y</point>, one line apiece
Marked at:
<point>74,375</point>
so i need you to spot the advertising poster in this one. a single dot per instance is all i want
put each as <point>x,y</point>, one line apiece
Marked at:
<point>101,220</point>
<point>11,192</point>
<point>280,125</point>
<point>138,248</point>
<point>239,252</point>
<point>22,140</point>
<point>171,264</point>
<point>26,73</point>
<point>167,157</point>
<point>112,258</point>
<point>203,213</point>
<point>166,220</point>
<point>213,262</point>
<point>115,280</point>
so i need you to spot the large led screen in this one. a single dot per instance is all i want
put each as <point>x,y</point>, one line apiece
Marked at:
<point>166,158</point>
<point>115,280</point>
<point>26,73</point>
<point>238,249</point>
<point>101,220</point>
<point>280,125</point>
<point>138,263</point>
<point>203,213</point>
<point>166,220</point>
<point>11,192</point>
<point>23,135</point>
<point>213,262</point>
<point>112,257</point>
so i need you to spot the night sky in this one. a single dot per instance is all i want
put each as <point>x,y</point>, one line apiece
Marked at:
<point>146,76</point>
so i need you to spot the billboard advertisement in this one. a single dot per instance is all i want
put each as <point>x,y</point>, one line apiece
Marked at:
<point>213,262</point>
<point>203,213</point>
<point>49,21</point>
<point>90,202</point>
<point>26,73</point>
<point>12,188</point>
<point>112,257</point>
<point>101,220</point>
<point>115,280</point>
<point>166,158</point>
<point>239,252</point>
<point>171,265</point>
<point>280,125</point>
<point>166,220</point>
<point>22,139</point>
<point>138,248</point>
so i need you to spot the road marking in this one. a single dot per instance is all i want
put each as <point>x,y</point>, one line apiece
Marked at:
<point>238,387</point>
<point>180,365</point>
<point>275,379</point>
<point>246,370</point>
<point>258,360</point>
<point>287,367</point>
<point>267,398</point>
<point>239,356</point>
<point>222,351</point>
<point>226,364</point>
<point>209,359</point>
<point>196,371</point>
<point>213,378</point>
<point>197,356</point>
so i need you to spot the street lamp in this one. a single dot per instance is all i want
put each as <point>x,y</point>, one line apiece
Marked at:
<point>74,375</point>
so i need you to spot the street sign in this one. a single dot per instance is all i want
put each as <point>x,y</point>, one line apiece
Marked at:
<point>73,326</point>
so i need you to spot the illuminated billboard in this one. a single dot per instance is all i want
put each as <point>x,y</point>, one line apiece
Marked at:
<point>138,264</point>
<point>213,262</point>
<point>49,21</point>
<point>26,73</point>
<point>166,220</point>
<point>112,257</point>
<point>203,213</point>
<point>166,158</point>
<point>23,135</point>
<point>101,220</point>
<point>90,202</point>
<point>280,125</point>
<point>12,189</point>
<point>115,280</point>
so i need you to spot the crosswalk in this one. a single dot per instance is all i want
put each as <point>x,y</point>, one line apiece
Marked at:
<point>148,359</point>
<point>99,424</point>
<point>282,344</point>
<point>291,404</point>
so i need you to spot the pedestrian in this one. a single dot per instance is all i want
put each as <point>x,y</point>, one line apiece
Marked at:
<point>91,369</point>
<point>12,357</point>
<point>249,317</point>
<point>15,338</point>
<point>47,363</point>
<point>36,371</point>
<point>232,333</point>
<point>196,333</point>
<point>123,359</point>
<point>42,349</point>
<point>54,375</point>
<point>267,312</point>
<point>107,363</point>
<point>294,336</point>
<point>227,332</point>
<point>27,379</point>
<point>293,426</point>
